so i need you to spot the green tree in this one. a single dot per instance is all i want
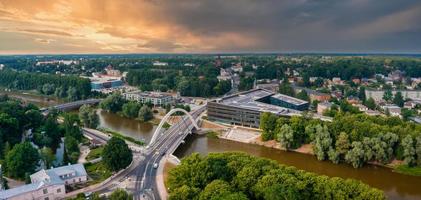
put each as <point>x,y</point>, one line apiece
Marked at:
<point>71,126</point>
<point>342,145</point>
<point>356,156</point>
<point>268,124</point>
<point>322,142</point>
<point>285,136</point>
<point>22,159</point>
<point>120,194</point>
<point>408,150</point>
<point>184,193</point>
<point>388,96</point>
<point>303,95</point>
<point>398,99</point>
<point>418,149</point>
<point>215,190</point>
<point>116,154</point>
<point>88,116</point>
<point>131,109</point>
<point>145,114</point>
<point>72,94</point>
<point>47,156</point>
<point>71,146</point>
<point>113,103</point>
<point>285,88</point>
<point>370,103</point>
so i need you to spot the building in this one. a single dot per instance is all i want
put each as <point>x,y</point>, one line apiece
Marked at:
<point>394,110</point>
<point>361,107</point>
<point>157,63</point>
<point>286,101</point>
<point>112,72</point>
<point>105,82</point>
<point>313,94</point>
<point>156,98</point>
<point>48,184</point>
<point>323,106</point>
<point>377,95</point>
<point>244,108</point>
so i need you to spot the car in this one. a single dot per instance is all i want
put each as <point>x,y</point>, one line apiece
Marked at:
<point>155,165</point>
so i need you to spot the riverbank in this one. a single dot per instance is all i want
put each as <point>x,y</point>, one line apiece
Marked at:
<point>252,136</point>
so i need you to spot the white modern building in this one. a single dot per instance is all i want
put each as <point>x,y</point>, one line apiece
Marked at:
<point>156,98</point>
<point>48,184</point>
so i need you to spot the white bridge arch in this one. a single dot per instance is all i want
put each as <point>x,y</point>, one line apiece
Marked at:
<point>165,119</point>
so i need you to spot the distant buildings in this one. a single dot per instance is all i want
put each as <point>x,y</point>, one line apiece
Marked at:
<point>157,63</point>
<point>394,110</point>
<point>156,98</point>
<point>62,62</point>
<point>377,95</point>
<point>323,106</point>
<point>244,108</point>
<point>111,79</point>
<point>48,184</point>
<point>1,66</point>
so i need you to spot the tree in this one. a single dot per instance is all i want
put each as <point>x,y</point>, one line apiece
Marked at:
<point>47,156</point>
<point>370,103</point>
<point>408,150</point>
<point>267,124</point>
<point>215,190</point>
<point>113,103</point>
<point>116,154</point>
<point>322,142</point>
<point>72,94</point>
<point>388,96</point>
<point>145,114</point>
<point>22,159</point>
<point>120,194</point>
<point>418,150</point>
<point>285,88</point>
<point>72,148</point>
<point>131,109</point>
<point>71,126</point>
<point>303,95</point>
<point>285,136</point>
<point>88,116</point>
<point>342,145</point>
<point>356,155</point>
<point>398,99</point>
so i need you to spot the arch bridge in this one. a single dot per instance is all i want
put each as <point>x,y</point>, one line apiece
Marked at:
<point>166,118</point>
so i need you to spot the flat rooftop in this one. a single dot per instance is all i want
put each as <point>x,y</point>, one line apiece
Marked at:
<point>249,100</point>
<point>291,100</point>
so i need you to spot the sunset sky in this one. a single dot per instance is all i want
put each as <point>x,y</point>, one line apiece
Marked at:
<point>209,26</point>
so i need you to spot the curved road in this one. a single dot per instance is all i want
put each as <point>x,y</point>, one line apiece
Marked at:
<point>140,177</point>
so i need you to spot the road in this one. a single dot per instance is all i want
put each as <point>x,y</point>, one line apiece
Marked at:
<point>140,176</point>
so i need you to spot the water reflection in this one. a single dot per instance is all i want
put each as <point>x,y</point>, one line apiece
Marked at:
<point>396,186</point>
<point>129,127</point>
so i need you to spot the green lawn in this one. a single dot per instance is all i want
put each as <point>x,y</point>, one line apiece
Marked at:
<point>97,172</point>
<point>413,171</point>
<point>95,153</point>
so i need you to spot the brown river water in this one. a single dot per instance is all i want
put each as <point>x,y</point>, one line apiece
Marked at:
<point>395,185</point>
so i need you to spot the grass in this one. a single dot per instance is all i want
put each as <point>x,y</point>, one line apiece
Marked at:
<point>98,172</point>
<point>212,134</point>
<point>405,169</point>
<point>94,153</point>
<point>121,136</point>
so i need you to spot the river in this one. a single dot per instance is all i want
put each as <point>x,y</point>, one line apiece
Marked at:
<point>395,185</point>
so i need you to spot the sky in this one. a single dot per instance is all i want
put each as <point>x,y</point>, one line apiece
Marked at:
<point>209,26</point>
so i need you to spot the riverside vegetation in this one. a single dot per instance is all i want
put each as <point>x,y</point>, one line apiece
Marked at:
<point>240,176</point>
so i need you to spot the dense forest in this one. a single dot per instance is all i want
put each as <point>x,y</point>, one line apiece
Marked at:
<point>71,87</point>
<point>22,124</point>
<point>191,81</point>
<point>352,138</point>
<point>240,176</point>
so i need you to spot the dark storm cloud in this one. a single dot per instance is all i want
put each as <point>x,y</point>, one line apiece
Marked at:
<point>306,25</point>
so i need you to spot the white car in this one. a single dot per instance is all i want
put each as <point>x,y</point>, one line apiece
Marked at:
<point>155,165</point>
